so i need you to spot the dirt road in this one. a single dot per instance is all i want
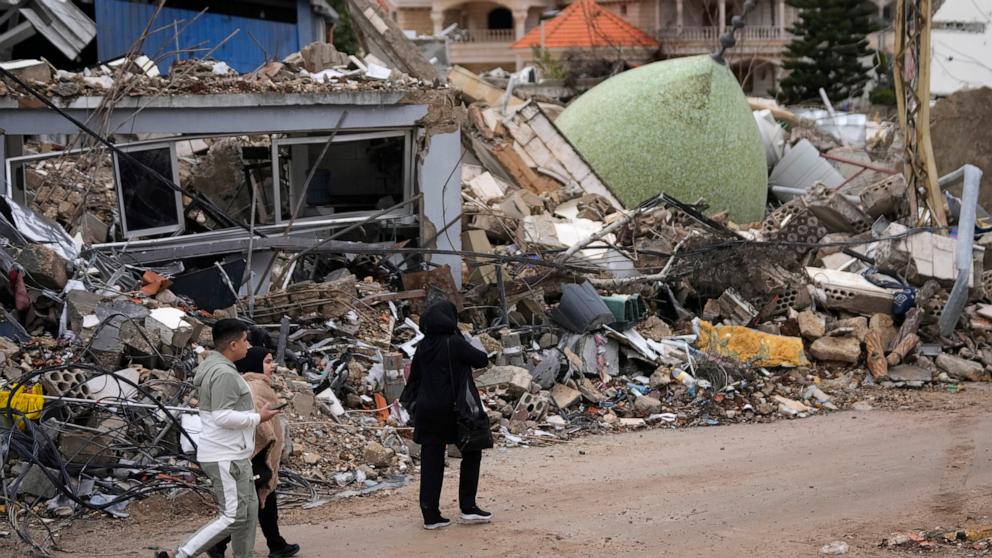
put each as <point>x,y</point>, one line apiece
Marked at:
<point>780,489</point>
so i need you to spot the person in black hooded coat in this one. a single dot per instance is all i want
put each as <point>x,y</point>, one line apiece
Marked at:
<point>441,368</point>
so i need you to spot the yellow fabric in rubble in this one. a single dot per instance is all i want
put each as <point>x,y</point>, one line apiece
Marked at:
<point>28,401</point>
<point>751,346</point>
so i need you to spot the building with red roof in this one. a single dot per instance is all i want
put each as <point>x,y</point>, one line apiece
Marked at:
<point>586,24</point>
<point>502,33</point>
<point>589,30</point>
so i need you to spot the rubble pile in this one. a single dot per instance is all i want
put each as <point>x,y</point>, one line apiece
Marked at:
<point>976,540</point>
<point>316,68</point>
<point>598,317</point>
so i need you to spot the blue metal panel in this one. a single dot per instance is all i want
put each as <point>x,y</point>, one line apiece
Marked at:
<point>120,23</point>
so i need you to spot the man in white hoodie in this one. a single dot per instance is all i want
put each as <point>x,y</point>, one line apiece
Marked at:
<point>226,443</point>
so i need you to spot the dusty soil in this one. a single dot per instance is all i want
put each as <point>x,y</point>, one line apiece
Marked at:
<point>778,489</point>
<point>961,131</point>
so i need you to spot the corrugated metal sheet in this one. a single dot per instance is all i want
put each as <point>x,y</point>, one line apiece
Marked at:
<point>120,22</point>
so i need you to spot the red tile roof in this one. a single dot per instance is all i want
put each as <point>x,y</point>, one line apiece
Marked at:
<point>584,23</point>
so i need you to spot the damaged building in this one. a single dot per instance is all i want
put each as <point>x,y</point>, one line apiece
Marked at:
<point>289,169</point>
<point>631,261</point>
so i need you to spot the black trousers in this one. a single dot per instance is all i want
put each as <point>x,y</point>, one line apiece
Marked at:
<point>268,520</point>
<point>432,477</point>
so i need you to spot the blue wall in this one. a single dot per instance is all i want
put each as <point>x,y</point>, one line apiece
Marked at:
<point>120,22</point>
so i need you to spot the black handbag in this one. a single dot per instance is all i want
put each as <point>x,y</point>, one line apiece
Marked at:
<point>472,423</point>
<point>260,468</point>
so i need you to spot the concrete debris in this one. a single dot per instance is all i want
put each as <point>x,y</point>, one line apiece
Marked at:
<point>812,325</point>
<point>960,369</point>
<point>598,316</point>
<point>909,373</point>
<point>44,266</point>
<point>836,349</point>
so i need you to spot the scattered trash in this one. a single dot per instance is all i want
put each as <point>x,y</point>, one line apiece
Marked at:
<point>836,548</point>
<point>605,305</point>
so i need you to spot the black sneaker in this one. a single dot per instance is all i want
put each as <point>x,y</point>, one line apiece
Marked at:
<point>437,523</point>
<point>286,551</point>
<point>214,553</point>
<point>476,515</point>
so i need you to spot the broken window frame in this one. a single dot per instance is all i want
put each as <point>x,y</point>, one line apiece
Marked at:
<point>15,189</point>
<point>408,178</point>
<point>18,191</point>
<point>180,226</point>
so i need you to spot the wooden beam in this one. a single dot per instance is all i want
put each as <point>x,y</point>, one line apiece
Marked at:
<point>520,172</point>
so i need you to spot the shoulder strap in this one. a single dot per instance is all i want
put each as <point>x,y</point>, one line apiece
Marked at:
<point>451,373</point>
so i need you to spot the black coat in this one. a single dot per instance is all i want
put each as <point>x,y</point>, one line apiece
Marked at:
<point>443,356</point>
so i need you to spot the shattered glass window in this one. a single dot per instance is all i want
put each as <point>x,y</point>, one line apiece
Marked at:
<point>352,176</point>
<point>148,205</point>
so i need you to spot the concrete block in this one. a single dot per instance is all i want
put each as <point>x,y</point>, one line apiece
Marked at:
<point>564,396</point>
<point>909,373</point>
<point>531,407</point>
<point>856,327</point>
<point>329,403</point>
<point>735,308</point>
<point>81,303</point>
<point>304,403</point>
<point>512,353</point>
<point>171,326</point>
<point>647,405</point>
<point>885,197</point>
<point>87,448</point>
<point>514,379</point>
<point>661,377</point>
<point>849,291</point>
<point>961,369</point>
<point>37,484</point>
<point>483,271</point>
<point>319,56</point>
<point>106,350</point>
<point>589,391</point>
<point>836,349</point>
<point>108,386</point>
<point>91,229</point>
<point>67,383</point>
<point>29,70</point>
<point>812,325</point>
<point>925,256</point>
<point>378,455</point>
<point>837,214</point>
<point>44,266</point>
<point>788,406</point>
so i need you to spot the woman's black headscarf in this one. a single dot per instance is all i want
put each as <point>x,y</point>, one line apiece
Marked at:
<point>253,360</point>
<point>437,323</point>
<point>440,319</point>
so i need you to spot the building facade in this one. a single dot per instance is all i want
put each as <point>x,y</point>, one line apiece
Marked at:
<point>682,28</point>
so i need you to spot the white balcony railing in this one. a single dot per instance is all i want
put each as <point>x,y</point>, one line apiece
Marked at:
<point>484,36</point>
<point>712,34</point>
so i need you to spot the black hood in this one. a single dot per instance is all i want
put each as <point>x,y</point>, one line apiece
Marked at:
<point>253,361</point>
<point>440,319</point>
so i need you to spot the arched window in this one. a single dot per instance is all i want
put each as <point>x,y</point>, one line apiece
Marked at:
<point>499,18</point>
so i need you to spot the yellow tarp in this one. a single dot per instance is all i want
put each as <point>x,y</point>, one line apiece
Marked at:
<point>28,401</point>
<point>751,346</point>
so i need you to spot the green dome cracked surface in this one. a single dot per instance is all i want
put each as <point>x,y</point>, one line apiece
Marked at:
<point>680,126</point>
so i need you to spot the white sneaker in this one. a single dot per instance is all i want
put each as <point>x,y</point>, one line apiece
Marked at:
<point>476,515</point>
<point>440,523</point>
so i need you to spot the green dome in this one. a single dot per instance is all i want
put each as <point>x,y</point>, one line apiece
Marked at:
<point>680,126</point>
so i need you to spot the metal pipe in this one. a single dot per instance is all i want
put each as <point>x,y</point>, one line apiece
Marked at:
<point>972,176</point>
<point>117,403</point>
<point>799,192</point>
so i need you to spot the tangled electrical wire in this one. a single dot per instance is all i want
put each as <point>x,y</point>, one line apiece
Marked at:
<point>131,448</point>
